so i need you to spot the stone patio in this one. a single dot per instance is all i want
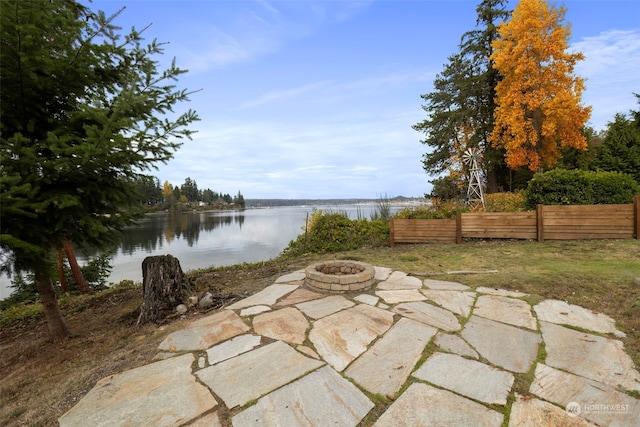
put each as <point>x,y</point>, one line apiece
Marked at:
<point>408,352</point>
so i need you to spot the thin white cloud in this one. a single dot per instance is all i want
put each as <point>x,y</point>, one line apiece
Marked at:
<point>327,92</point>
<point>349,9</point>
<point>220,49</point>
<point>280,94</point>
<point>612,61</point>
<point>614,49</point>
<point>244,31</point>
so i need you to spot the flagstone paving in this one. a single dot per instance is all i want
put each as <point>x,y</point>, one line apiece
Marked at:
<point>458,302</point>
<point>428,314</point>
<point>407,352</point>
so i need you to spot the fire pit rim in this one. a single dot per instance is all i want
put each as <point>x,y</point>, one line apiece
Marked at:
<point>339,283</point>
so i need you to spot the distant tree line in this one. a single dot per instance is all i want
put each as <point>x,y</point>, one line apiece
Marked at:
<point>153,194</point>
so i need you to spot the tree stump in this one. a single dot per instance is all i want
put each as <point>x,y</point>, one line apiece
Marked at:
<point>162,287</point>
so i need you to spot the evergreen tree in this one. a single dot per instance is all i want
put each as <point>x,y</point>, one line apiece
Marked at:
<point>620,149</point>
<point>208,196</point>
<point>239,199</point>
<point>460,109</point>
<point>177,195</point>
<point>149,189</point>
<point>190,190</point>
<point>83,115</point>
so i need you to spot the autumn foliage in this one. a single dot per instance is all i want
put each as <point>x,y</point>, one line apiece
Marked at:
<point>538,99</point>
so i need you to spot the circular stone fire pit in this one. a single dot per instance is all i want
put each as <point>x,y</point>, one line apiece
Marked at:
<point>339,276</point>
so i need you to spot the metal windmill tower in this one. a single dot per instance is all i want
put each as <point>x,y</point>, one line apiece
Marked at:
<point>475,197</point>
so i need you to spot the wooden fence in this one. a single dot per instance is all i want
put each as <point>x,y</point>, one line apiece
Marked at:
<point>562,222</point>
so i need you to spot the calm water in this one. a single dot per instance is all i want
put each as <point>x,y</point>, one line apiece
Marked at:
<point>208,239</point>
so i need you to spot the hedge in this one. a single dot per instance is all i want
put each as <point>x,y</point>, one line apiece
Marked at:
<point>578,187</point>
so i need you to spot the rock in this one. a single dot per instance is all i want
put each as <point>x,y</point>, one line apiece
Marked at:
<point>193,300</point>
<point>506,310</point>
<point>401,295</point>
<point>382,273</point>
<point>467,377</point>
<point>531,412</point>
<point>562,313</point>
<point>251,375</point>
<point>500,292</point>
<point>163,393</point>
<point>399,280</point>
<point>181,309</point>
<point>206,301</point>
<point>636,281</point>
<point>454,344</point>
<point>590,356</point>
<point>291,277</point>
<point>203,333</point>
<point>459,302</point>
<point>256,309</point>
<point>423,405</point>
<point>507,346</point>
<point>298,296</point>
<point>287,324</point>
<point>597,402</point>
<point>428,314</point>
<point>367,299</point>
<point>267,296</point>
<point>318,308</point>
<point>232,348</point>
<point>345,335</point>
<point>385,367</point>
<point>445,285</point>
<point>321,398</point>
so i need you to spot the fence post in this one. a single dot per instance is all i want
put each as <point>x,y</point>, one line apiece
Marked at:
<point>459,228</point>
<point>636,216</point>
<point>391,233</point>
<point>540,222</point>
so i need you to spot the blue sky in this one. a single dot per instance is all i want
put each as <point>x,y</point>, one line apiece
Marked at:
<point>316,99</point>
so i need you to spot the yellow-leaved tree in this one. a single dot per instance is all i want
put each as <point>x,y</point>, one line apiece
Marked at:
<point>538,99</point>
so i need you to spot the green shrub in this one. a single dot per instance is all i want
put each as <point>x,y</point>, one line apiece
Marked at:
<point>335,232</point>
<point>504,202</point>
<point>437,210</point>
<point>577,187</point>
<point>613,188</point>
<point>95,273</point>
<point>19,311</point>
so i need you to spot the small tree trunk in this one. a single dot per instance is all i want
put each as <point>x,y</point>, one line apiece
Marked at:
<point>162,287</point>
<point>75,268</point>
<point>60,263</point>
<point>57,326</point>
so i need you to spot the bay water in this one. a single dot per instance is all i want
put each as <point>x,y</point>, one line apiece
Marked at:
<point>210,239</point>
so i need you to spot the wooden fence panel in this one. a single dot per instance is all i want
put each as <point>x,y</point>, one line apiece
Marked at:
<point>423,231</point>
<point>588,222</point>
<point>499,225</point>
<point>572,222</point>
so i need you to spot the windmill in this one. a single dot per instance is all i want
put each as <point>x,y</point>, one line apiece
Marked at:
<point>473,157</point>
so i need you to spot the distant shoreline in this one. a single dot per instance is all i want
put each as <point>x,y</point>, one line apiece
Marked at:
<point>262,203</point>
